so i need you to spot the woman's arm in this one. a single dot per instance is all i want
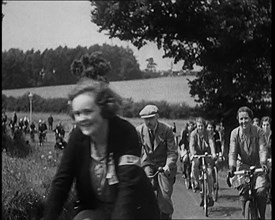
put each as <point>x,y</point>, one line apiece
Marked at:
<point>61,183</point>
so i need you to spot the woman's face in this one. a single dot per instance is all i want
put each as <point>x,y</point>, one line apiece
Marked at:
<point>87,114</point>
<point>210,128</point>
<point>190,127</point>
<point>200,127</point>
<point>244,120</point>
<point>266,126</point>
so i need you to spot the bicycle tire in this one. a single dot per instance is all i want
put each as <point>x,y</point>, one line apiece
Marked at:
<point>216,184</point>
<point>250,211</point>
<point>205,196</point>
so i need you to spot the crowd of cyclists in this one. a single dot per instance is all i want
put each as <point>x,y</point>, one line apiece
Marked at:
<point>198,137</point>
<point>23,126</point>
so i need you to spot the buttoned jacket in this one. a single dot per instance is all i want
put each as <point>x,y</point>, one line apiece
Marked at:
<point>165,150</point>
<point>252,152</point>
<point>199,145</point>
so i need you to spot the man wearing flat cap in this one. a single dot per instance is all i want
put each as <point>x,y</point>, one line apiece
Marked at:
<point>159,150</point>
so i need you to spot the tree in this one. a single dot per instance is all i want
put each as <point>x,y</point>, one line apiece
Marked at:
<point>231,40</point>
<point>92,66</point>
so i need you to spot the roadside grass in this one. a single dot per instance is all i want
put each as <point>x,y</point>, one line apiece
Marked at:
<point>26,181</point>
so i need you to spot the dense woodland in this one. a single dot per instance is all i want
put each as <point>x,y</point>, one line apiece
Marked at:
<point>53,66</point>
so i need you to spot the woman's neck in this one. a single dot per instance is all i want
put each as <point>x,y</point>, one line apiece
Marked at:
<point>100,137</point>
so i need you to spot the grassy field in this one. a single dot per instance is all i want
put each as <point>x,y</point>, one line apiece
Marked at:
<point>170,89</point>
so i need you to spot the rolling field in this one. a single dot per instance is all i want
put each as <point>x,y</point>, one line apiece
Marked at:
<point>171,89</point>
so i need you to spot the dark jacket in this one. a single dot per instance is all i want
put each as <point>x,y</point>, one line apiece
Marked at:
<point>135,197</point>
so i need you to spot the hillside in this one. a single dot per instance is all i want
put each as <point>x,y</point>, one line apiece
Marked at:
<point>170,89</point>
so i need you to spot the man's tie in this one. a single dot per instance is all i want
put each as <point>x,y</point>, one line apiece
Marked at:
<point>152,138</point>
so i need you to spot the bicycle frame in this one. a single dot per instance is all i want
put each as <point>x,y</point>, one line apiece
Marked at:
<point>250,211</point>
<point>204,180</point>
<point>159,170</point>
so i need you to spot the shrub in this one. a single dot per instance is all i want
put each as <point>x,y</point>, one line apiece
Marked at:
<point>130,109</point>
<point>16,146</point>
<point>26,183</point>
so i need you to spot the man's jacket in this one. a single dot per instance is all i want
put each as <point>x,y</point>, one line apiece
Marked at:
<point>165,151</point>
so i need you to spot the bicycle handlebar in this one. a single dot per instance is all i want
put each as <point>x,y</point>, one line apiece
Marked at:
<point>243,172</point>
<point>159,170</point>
<point>251,170</point>
<point>202,155</point>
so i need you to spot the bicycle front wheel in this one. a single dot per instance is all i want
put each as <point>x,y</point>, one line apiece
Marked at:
<point>216,183</point>
<point>250,212</point>
<point>205,196</point>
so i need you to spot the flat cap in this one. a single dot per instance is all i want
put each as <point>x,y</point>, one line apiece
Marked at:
<point>149,111</point>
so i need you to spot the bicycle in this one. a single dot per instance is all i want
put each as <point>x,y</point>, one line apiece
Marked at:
<point>60,142</point>
<point>215,176</point>
<point>204,182</point>
<point>32,131</point>
<point>42,137</point>
<point>186,167</point>
<point>155,182</point>
<point>154,176</point>
<point>269,195</point>
<point>250,210</point>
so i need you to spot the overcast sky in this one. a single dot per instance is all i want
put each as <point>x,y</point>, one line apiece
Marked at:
<point>49,24</point>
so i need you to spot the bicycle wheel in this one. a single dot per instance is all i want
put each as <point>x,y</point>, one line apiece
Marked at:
<point>205,195</point>
<point>216,183</point>
<point>250,212</point>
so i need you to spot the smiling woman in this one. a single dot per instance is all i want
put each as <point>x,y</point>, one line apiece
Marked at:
<point>105,148</point>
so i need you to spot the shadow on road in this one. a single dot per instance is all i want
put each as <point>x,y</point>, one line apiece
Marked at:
<point>229,198</point>
<point>223,211</point>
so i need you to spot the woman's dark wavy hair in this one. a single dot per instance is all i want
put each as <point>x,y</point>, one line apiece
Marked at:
<point>108,101</point>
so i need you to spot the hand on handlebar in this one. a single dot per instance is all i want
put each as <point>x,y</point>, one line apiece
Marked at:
<point>214,156</point>
<point>166,170</point>
<point>265,168</point>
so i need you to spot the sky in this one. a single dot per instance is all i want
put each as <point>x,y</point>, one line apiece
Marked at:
<point>48,24</point>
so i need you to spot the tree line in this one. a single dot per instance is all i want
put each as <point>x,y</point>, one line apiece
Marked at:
<point>53,66</point>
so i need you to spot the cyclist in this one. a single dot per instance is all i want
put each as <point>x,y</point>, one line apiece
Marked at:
<point>248,148</point>
<point>42,129</point>
<point>21,124</point>
<point>32,130</point>
<point>217,137</point>
<point>102,158</point>
<point>59,137</point>
<point>266,126</point>
<point>59,130</point>
<point>200,143</point>
<point>256,122</point>
<point>185,153</point>
<point>26,122</point>
<point>159,150</point>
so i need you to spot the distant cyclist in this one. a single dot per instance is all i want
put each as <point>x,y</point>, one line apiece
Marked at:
<point>218,140</point>
<point>185,152</point>
<point>59,130</point>
<point>200,143</point>
<point>42,129</point>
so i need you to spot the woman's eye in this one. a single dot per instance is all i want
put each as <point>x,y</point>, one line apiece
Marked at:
<point>87,111</point>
